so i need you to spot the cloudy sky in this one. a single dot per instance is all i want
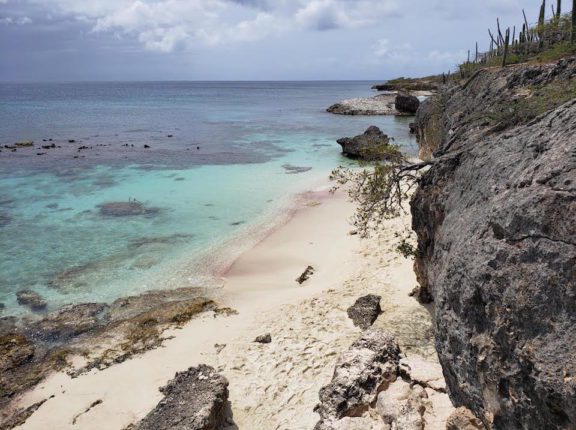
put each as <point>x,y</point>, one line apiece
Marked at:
<point>48,40</point>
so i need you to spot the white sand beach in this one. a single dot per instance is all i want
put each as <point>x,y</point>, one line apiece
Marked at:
<point>272,386</point>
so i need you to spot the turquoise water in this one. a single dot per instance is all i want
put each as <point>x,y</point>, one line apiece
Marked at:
<point>222,175</point>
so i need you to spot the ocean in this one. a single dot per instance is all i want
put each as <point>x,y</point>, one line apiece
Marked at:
<point>210,166</point>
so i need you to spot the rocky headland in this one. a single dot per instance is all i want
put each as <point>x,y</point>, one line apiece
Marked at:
<point>398,103</point>
<point>430,83</point>
<point>495,216</point>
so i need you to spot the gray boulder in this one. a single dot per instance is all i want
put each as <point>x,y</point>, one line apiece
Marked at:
<point>362,372</point>
<point>31,299</point>
<point>194,400</point>
<point>496,222</point>
<point>365,311</point>
<point>265,338</point>
<point>368,146</point>
<point>407,103</point>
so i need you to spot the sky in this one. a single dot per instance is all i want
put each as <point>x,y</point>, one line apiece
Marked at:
<point>124,40</point>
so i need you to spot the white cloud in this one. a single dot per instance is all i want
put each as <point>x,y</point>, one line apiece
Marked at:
<point>331,14</point>
<point>167,25</point>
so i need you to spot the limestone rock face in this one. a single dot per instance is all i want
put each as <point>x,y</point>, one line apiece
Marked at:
<point>490,102</point>
<point>362,372</point>
<point>365,311</point>
<point>194,400</point>
<point>496,223</point>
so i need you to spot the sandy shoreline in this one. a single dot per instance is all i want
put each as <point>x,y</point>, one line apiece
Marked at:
<point>308,324</point>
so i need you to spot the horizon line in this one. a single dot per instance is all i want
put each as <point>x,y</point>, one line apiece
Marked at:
<point>185,81</point>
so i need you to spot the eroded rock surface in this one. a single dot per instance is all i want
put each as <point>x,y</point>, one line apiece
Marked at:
<point>402,406</point>
<point>362,372</point>
<point>496,223</point>
<point>365,311</point>
<point>463,419</point>
<point>371,145</point>
<point>194,400</point>
<point>376,387</point>
<point>16,351</point>
<point>69,321</point>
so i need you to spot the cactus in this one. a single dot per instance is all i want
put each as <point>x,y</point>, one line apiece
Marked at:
<point>506,43</point>
<point>574,22</point>
<point>542,16</point>
<point>541,20</point>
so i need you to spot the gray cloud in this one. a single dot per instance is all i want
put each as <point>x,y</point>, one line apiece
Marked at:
<point>242,39</point>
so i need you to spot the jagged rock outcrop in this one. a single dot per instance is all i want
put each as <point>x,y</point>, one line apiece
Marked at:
<point>492,101</point>
<point>407,103</point>
<point>194,400</point>
<point>496,222</point>
<point>365,311</point>
<point>376,387</point>
<point>368,146</point>
<point>362,372</point>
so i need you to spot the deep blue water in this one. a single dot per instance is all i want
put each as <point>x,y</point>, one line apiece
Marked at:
<point>220,175</point>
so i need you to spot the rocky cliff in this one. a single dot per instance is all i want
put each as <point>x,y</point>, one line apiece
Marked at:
<point>495,217</point>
